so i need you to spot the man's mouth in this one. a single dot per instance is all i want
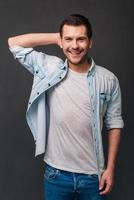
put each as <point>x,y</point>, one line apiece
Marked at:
<point>75,53</point>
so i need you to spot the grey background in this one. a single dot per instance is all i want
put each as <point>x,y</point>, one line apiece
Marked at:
<point>21,174</point>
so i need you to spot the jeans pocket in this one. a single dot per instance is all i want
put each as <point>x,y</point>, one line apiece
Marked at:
<point>93,177</point>
<point>50,173</point>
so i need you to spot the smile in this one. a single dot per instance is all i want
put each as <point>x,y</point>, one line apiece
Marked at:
<point>75,53</point>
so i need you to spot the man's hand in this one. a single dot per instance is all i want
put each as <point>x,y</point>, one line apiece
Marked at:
<point>106,182</point>
<point>58,39</point>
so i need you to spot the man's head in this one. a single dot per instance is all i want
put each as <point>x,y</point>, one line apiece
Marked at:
<point>76,34</point>
<point>76,20</point>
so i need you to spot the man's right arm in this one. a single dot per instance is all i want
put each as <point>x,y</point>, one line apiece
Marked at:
<point>21,47</point>
<point>34,39</point>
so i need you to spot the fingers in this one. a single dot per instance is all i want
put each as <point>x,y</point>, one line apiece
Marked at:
<point>106,190</point>
<point>106,184</point>
<point>102,183</point>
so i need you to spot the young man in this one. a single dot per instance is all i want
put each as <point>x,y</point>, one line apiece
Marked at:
<point>67,106</point>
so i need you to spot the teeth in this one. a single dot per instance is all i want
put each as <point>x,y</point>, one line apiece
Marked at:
<point>75,53</point>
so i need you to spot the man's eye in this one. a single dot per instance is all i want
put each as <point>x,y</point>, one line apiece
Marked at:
<point>81,39</point>
<point>68,39</point>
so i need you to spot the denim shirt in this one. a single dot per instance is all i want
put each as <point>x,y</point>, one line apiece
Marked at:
<point>105,96</point>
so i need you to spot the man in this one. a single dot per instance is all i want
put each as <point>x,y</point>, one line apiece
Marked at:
<point>67,106</point>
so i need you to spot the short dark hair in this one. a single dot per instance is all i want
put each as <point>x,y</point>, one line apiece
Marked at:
<point>76,20</point>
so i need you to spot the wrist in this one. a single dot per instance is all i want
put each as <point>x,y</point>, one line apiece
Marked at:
<point>111,167</point>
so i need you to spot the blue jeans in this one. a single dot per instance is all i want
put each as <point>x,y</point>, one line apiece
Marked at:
<point>64,185</point>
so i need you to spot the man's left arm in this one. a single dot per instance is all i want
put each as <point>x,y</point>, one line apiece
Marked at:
<point>114,124</point>
<point>107,178</point>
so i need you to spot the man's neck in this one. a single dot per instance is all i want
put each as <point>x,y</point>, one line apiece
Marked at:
<point>82,67</point>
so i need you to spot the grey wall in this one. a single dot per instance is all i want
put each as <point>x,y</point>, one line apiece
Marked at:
<point>21,175</point>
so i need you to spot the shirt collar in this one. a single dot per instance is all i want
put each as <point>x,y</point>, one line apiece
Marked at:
<point>91,70</point>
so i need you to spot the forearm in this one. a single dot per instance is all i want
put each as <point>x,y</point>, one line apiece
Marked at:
<point>34,39</point>
<point>113,146</point>
<point>107,178</point>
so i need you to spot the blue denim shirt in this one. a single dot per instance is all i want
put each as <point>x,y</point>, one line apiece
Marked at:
<point>49,70</point>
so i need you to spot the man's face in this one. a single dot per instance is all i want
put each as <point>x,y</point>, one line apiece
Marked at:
<point>75,43</point>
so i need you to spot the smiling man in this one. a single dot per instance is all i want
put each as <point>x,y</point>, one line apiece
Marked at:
<point>69,102</point>
<point>76,43</point>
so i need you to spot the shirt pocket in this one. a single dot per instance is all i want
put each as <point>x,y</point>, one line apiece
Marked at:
<point>104,100</point>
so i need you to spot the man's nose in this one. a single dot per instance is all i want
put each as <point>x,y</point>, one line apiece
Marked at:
<point>74,44</point>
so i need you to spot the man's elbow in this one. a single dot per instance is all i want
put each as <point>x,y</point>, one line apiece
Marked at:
<point>11,41</point>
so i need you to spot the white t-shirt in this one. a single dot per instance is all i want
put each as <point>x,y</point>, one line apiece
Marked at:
<point>70,143</point>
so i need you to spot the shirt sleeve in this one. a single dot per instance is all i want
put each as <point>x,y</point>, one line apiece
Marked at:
<point>113,116</point>
<point>34,61</point>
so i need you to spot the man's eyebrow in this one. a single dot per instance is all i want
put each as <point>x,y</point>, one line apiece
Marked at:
<point>67,36</point>
<point>82,36</point>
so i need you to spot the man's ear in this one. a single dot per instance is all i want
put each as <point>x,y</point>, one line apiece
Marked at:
<point>90,43</point>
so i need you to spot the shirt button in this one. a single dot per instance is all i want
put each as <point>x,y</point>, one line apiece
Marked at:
<point>49,84</point>
<point>60,77</point>
<point>38,93</point>
<point>29,102</point>
<point>36,71</point>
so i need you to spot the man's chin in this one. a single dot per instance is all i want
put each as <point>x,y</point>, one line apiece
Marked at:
<point>75,61</point>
